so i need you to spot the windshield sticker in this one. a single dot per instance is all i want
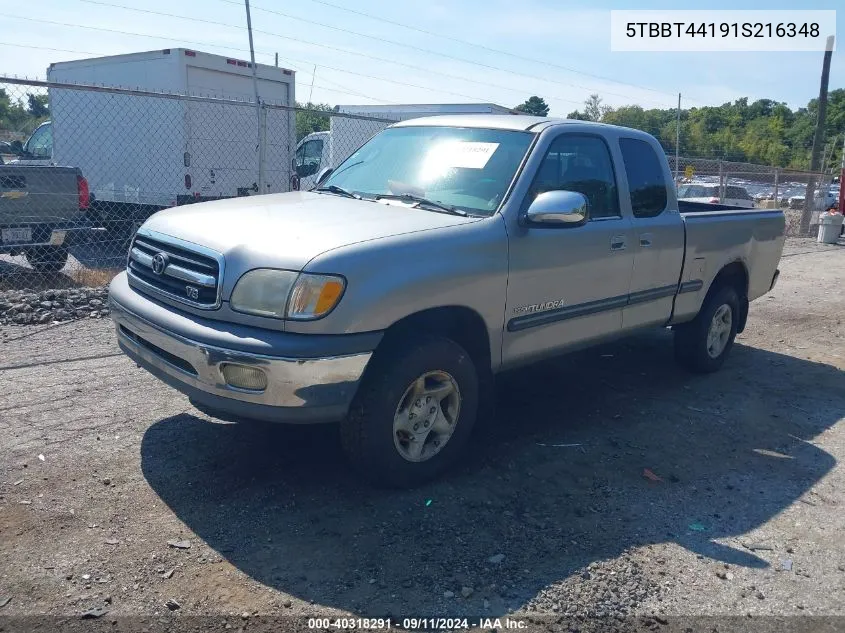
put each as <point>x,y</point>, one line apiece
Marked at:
<point>466,154</point>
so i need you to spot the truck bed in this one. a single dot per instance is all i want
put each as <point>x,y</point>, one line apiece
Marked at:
<point>713,239</point>
<point>38,195</point>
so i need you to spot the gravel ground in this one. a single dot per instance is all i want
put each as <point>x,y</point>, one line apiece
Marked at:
<point>115,493</point>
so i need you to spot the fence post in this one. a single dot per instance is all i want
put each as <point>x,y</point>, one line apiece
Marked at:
<point>721,183</point>
<point>262,148</point>
<point>777,182</point>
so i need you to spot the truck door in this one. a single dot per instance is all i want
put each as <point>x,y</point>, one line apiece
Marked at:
<point>568,285</point>
<point>658,236</point>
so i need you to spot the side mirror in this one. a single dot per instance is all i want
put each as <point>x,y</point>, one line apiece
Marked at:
<point>324,173</point>
<point>17,148</point>
<point>558,209</point>
<point>293,164</point>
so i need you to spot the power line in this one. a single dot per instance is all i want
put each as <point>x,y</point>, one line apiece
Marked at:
<point>326,46</point>
<point>485,48</point>
<point>343,89</point>
<point>433,52</point>
<point>342,70</point>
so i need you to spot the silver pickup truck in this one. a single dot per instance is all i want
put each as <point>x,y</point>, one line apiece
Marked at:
<point>442,252</point>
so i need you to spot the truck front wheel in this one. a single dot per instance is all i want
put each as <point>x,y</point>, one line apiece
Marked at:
<point>703,344</point>
<point>47,259</point>
<point>413,413</point>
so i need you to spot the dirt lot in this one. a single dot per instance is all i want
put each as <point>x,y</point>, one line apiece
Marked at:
<point>101,466</point>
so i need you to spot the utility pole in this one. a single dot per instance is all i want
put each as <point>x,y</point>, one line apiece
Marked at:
<point>842,179</point>
<point>260,146</point>
<point>313,77</point>
<point>818,140</point>
<point>277,60</point>
<point>678,141</point>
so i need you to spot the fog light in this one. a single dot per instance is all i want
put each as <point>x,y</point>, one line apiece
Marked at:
<point>243,377</point>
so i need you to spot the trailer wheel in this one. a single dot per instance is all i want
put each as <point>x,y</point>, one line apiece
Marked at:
<point>413,413</point>
<point>703,344</point>
<point>47,259</point>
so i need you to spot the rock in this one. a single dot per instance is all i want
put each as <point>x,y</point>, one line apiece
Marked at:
<point>760,595</point>
<point>179,544</point>
<point>448,594</point>
<point>168,574</point>
<point>790,550</point>
<point>69,576</point>
<point>786,565</point>
<point>725,575</point>
<point>244,616</point>
<point>466,592</point>
<point>107,599</point>
<point>86,576</point>
<point>46,304</point>
<point>4,601</point>
<point>106,481</point>
<point>287,604</point>
<point>496,559</point>
<point>95,303</point>
<point>841,567</point>
<point>96,612</point>
<point>45,318</point>
<point>172,605</point>
<point>112,541</point>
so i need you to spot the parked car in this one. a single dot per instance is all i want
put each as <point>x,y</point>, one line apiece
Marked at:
<point>709,193</point>
<point>824,199</point>
<point>442,252</point>
<point>39,207</point>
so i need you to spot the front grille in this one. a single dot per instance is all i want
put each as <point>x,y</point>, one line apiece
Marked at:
<point>185,272</point>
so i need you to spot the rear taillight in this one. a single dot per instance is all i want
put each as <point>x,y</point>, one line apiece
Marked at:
<point>713,201</point>
<point>84,195</point>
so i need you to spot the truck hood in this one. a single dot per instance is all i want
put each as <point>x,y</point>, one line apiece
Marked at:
<point>287,230</point>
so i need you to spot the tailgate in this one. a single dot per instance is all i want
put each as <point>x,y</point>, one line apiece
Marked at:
<point>38,194</point>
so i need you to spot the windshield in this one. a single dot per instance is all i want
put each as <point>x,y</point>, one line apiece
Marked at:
<point>466,168</point>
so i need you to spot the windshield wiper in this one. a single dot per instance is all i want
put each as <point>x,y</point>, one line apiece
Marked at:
<point>423,202</point>
<point>339,191</point>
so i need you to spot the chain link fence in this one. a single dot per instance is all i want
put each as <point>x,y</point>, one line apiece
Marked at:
<point>84,166</point>
<point>758,186</point>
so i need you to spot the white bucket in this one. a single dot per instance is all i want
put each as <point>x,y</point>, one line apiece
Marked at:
<point>830,224</point>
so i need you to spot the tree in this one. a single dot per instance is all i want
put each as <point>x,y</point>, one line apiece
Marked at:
<point>535,106</point>
<point>309,121</point>
<point>37,105</point>
<point>578,116</point>
<point>593,109</point>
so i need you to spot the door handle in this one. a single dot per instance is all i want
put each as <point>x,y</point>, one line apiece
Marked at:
<point>645,240</point>
<point>617,243</point>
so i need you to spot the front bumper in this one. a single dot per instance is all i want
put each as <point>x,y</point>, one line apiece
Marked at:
<point>301,387</point>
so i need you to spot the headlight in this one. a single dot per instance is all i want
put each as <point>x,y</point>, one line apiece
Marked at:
<point>284,294</point>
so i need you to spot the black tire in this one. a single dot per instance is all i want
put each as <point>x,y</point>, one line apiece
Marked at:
<point>367,433</point>
<point>691,339</point>
<point>47,259</point>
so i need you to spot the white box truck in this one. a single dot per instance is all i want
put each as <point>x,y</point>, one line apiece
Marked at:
<point>141,153</point>
<point>330,148</point>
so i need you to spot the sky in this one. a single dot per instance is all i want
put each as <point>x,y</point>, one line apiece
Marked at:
<point>456,51</point>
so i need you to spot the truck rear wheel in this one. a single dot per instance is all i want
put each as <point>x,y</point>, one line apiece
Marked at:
<point>703,344</point>
<point>47,259</point>
<point>413,413</point>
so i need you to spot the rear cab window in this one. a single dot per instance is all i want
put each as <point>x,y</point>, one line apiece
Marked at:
<point>646,181</point>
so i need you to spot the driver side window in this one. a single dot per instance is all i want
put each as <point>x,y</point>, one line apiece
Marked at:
<point>308,158</point>
<point>581,163</point>
<point>40,144</point>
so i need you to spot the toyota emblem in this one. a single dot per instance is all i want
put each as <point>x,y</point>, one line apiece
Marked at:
<point>160,262</point>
